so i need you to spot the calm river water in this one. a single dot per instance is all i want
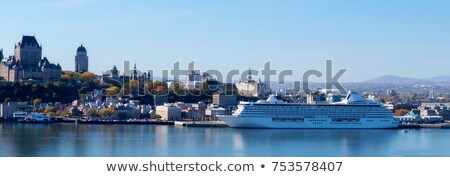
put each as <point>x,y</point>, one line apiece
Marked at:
<point>72,140</point>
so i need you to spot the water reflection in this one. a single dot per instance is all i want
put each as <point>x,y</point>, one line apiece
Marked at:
<point>147,140</point>
<point>306,142</point>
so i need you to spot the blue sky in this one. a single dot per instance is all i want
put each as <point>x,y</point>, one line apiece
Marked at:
<point>370,38</point>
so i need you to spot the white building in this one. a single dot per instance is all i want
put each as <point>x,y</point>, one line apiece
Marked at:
<point>169,112</point>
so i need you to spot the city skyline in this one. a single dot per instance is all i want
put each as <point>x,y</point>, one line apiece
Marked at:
<point>373,38</point>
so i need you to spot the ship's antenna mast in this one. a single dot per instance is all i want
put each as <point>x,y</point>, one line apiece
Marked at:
<point>261,96</point>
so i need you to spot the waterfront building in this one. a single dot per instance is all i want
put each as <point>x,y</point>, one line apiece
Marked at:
<point>224,100</point>
<point>193,114</point>
<point>126,111</point>
<point>212,112</point>
<point>428,112</point>
<point>435,109</point>
<point>192,111</point>
<point>27,63</point>
<point>8,109</point>
<point>81,60</point>
<point>169,112</point>
<point>147,111</point>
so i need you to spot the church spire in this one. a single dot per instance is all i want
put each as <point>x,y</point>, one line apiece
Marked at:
<point>135,74</point>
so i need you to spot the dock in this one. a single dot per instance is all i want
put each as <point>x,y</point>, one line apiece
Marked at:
<point>125,122</point>
<point>437,125</point>
<point>201,124</point>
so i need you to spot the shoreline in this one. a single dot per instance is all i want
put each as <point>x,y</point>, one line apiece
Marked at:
<point>414,126</point>
<point>218,124</point>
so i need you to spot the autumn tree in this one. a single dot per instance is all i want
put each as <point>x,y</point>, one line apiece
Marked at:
<point>87,76</point>
<point>50,110</point>
<point>107,112</point>
<point>91,112</point>
<point>112,91</point>
<point>36,101</point>
<point>401,112</point>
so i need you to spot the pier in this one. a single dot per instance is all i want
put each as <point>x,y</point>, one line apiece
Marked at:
<point>125,122</point>
<point>202,124</point>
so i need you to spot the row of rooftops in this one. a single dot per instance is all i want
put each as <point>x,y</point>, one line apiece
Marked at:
<point>43,64</point>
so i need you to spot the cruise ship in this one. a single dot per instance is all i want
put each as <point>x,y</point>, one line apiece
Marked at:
<point>352,112</point>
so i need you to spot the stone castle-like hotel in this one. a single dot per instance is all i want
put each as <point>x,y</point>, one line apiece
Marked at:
<point>27,63</point>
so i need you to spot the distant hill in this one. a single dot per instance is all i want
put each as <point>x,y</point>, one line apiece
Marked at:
<point>440,79</point>
<point>391,79</point>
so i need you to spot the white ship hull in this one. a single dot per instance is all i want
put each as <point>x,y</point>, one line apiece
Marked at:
<point>308,123</point>
<point>353,112</point>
